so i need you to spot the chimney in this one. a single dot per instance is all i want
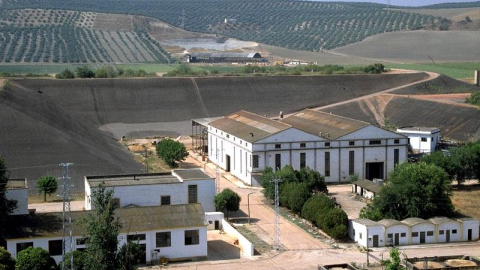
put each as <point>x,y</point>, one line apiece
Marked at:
<point>281,115</point>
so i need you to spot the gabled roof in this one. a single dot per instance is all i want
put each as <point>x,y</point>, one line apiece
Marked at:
<point>440,220</point>
<point>322,124</point>
<point>415,221</point>
<point>368,185</point>
<point>133,219</point>
<point>366,222</point>
<point>248,126</point>
<point>391,222</point>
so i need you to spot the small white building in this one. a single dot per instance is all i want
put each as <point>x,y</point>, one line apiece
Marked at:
<point>470,229</point>
<point>172,231</point>
<point>183,186</point>
<point>366,188</point>
<point>214,220</point>
<point>17,189</point>
<point>362,229</point>
<point>421,139</point>
<point>245,144</point>
<point>421,231</point>
<point>396,232</point>
<point>447,230</point>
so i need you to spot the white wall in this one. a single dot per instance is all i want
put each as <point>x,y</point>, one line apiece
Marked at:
<point>21,196</point>
<point>470,224</point>
<point>449,227</point>
<point>397,229</point>
<point>423,227</point>
<point>211,217</point>
<point>246,246</point>
<point>361,234</point>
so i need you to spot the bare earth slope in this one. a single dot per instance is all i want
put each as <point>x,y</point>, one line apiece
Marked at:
<point>416,46</point>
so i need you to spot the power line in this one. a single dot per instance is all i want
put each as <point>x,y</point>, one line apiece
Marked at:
<point>67,217</point>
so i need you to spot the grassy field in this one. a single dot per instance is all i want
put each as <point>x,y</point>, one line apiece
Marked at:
<point>466,201</point>
<point>460,70</point>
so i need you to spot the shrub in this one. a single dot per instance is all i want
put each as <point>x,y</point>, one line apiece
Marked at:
<point>7,262</point>
<point>171,151</point>
<point>35,259</point>
<point>65,74</point>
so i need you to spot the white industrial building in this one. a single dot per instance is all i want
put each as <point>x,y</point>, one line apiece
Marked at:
<point>421,139</point>
<point>413,231</point>
<point>245,143</point>
<point>17,189</point>
<point>181,186</point>
<point>171,231</point>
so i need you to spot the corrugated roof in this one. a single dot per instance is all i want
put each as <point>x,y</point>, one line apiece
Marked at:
<point>368,185</point>
<point>421,129</point>
<point>17,184</point>
<point>192,174</point>
<point>132,179</point>
<point>325,125</point>
<point>133,219</point>
<point>226,55</point>
<point>440,220</point>
<point>248,126</point>
<point>204,121</point>
<point>366,222</point>
<point>391,222</point>
<point>415,221</point>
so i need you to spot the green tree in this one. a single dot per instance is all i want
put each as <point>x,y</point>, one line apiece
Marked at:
<point>334,222</point>
<point>129,256</point>
<point>7,262</point>
<point>413,190</point>
<point>227,200</point>
<point>79,258</point>
<point>65,74</point>
<point>294,195</point>
<point>35,259</point>
<point>102,229</point>
<point>47,185</point>
<point>6,205</point>
<point>171,151</point>
<point>317,203</point>
<point>474,98</point>
<point>394,262</point>
<point>84,72</point>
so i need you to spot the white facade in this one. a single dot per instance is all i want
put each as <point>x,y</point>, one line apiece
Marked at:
<point>214,220</point>
<point>396,232</point>
<point>246,145</point>
<point>448,230</point>
<point>470,229</point>
<point>17,189</point>
<point>421,139</point>
<point>362,229</point>
<point>149,189</point>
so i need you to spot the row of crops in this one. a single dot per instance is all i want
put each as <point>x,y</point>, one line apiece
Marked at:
<point>306,25</point>
<point>69,44</point>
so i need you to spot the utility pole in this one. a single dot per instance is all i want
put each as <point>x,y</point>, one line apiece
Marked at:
<point>67,217</point>
<point>217,175</point>
<point>276,240</point>
<point>248,205</point>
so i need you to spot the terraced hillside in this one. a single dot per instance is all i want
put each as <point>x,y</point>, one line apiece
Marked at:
<point>60,36</point>
<point>46,122</point>
<point>305,25</point>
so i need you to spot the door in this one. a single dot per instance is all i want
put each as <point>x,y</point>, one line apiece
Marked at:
<point>397,239</point>
<point>469,234</point>
<point>217,225</point>
<point>375,241</point>
<point>448,235</point>
<point>422,237</point>
<point>374,170</point>
<point>227,164</point>
<point>143,257</point>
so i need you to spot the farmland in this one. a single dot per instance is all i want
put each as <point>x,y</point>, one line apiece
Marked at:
<point>312,26</point>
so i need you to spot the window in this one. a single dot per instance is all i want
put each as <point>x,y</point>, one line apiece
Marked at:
<point>303,160</point>
<point>163,239</point>
<point>278,162</point>
<point>441,232</point>
<point>351,143</point>
<point>375,142</point>
<point>303,145</point>
<point>353,230</point>
<point>228,136</point>
<point>81,241</point>
<point>115,201</point>
<point>327,163</point>
<point>403,234</point>
<point>360,235</point>
<point>22,246</point>
<point>136,237</point>
<point>351,162</point>
<point>396,157</point>
<point>165,200</point>
<point>192,193</point>
<point>396,141</point>
<point>454,231</point>
<point>255,161</point>
<point>414,234</point>
<point>327,144</point>
<point>55,247</point>
<point>424,139</point>
<point>390,235</point>
<point>278,146</point>
<point>429,233</point>
<point>191,237</point>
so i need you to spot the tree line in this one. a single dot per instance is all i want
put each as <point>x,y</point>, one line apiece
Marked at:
<point>102,72</point>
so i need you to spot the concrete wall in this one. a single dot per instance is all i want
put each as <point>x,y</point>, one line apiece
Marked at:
<point>452,228</point>
<point>246,246</point>
<point>361,237</point>
<point>423,227</point>
<point>211,217</point>
<point>21,196</point>
<point>472,225</point>
<point>397,229</point>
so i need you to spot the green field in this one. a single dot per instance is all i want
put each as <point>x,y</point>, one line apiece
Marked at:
<point>460,70</point>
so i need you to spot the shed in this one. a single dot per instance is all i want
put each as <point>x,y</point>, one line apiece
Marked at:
<point>366,188</point>
<point>396,232</point>
<point>17,189</point>
<point>421,231</point>
<point>362,229</point>
<point>469,229</point>
<point>214,220</point>
<point>447,230</point>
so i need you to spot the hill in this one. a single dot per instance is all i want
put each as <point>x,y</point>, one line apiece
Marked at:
<point>304,25</point>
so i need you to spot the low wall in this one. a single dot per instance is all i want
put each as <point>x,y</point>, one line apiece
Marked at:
<point>246,246</point>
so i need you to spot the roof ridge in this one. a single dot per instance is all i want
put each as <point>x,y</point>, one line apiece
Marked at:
<point>264,117</point>
<point>308,109</point>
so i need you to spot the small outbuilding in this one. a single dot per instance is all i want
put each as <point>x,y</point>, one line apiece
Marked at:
<point>396,232</point>
<point>366,188</point>
<point>365,231</point>
<point>470,229</point>
<point>421,139</point>
<point>421,231</point>
<point>214,220</point>
<point>17,189</point>
<point>448,230</point>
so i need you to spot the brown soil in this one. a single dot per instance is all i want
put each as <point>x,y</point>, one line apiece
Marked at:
<point>460,263</point>
<point>457,99</point>
<point>431,265</point>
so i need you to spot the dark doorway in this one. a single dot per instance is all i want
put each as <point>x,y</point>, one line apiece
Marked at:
<point>375,241</point>
<point>374,170</point>
<point>448,235</point>
<point>397,239</point>
<point>227,160</point>
<point>143,248</point>
<point>217,225</point>
<point>422,237</point>
<point>469,234</point>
